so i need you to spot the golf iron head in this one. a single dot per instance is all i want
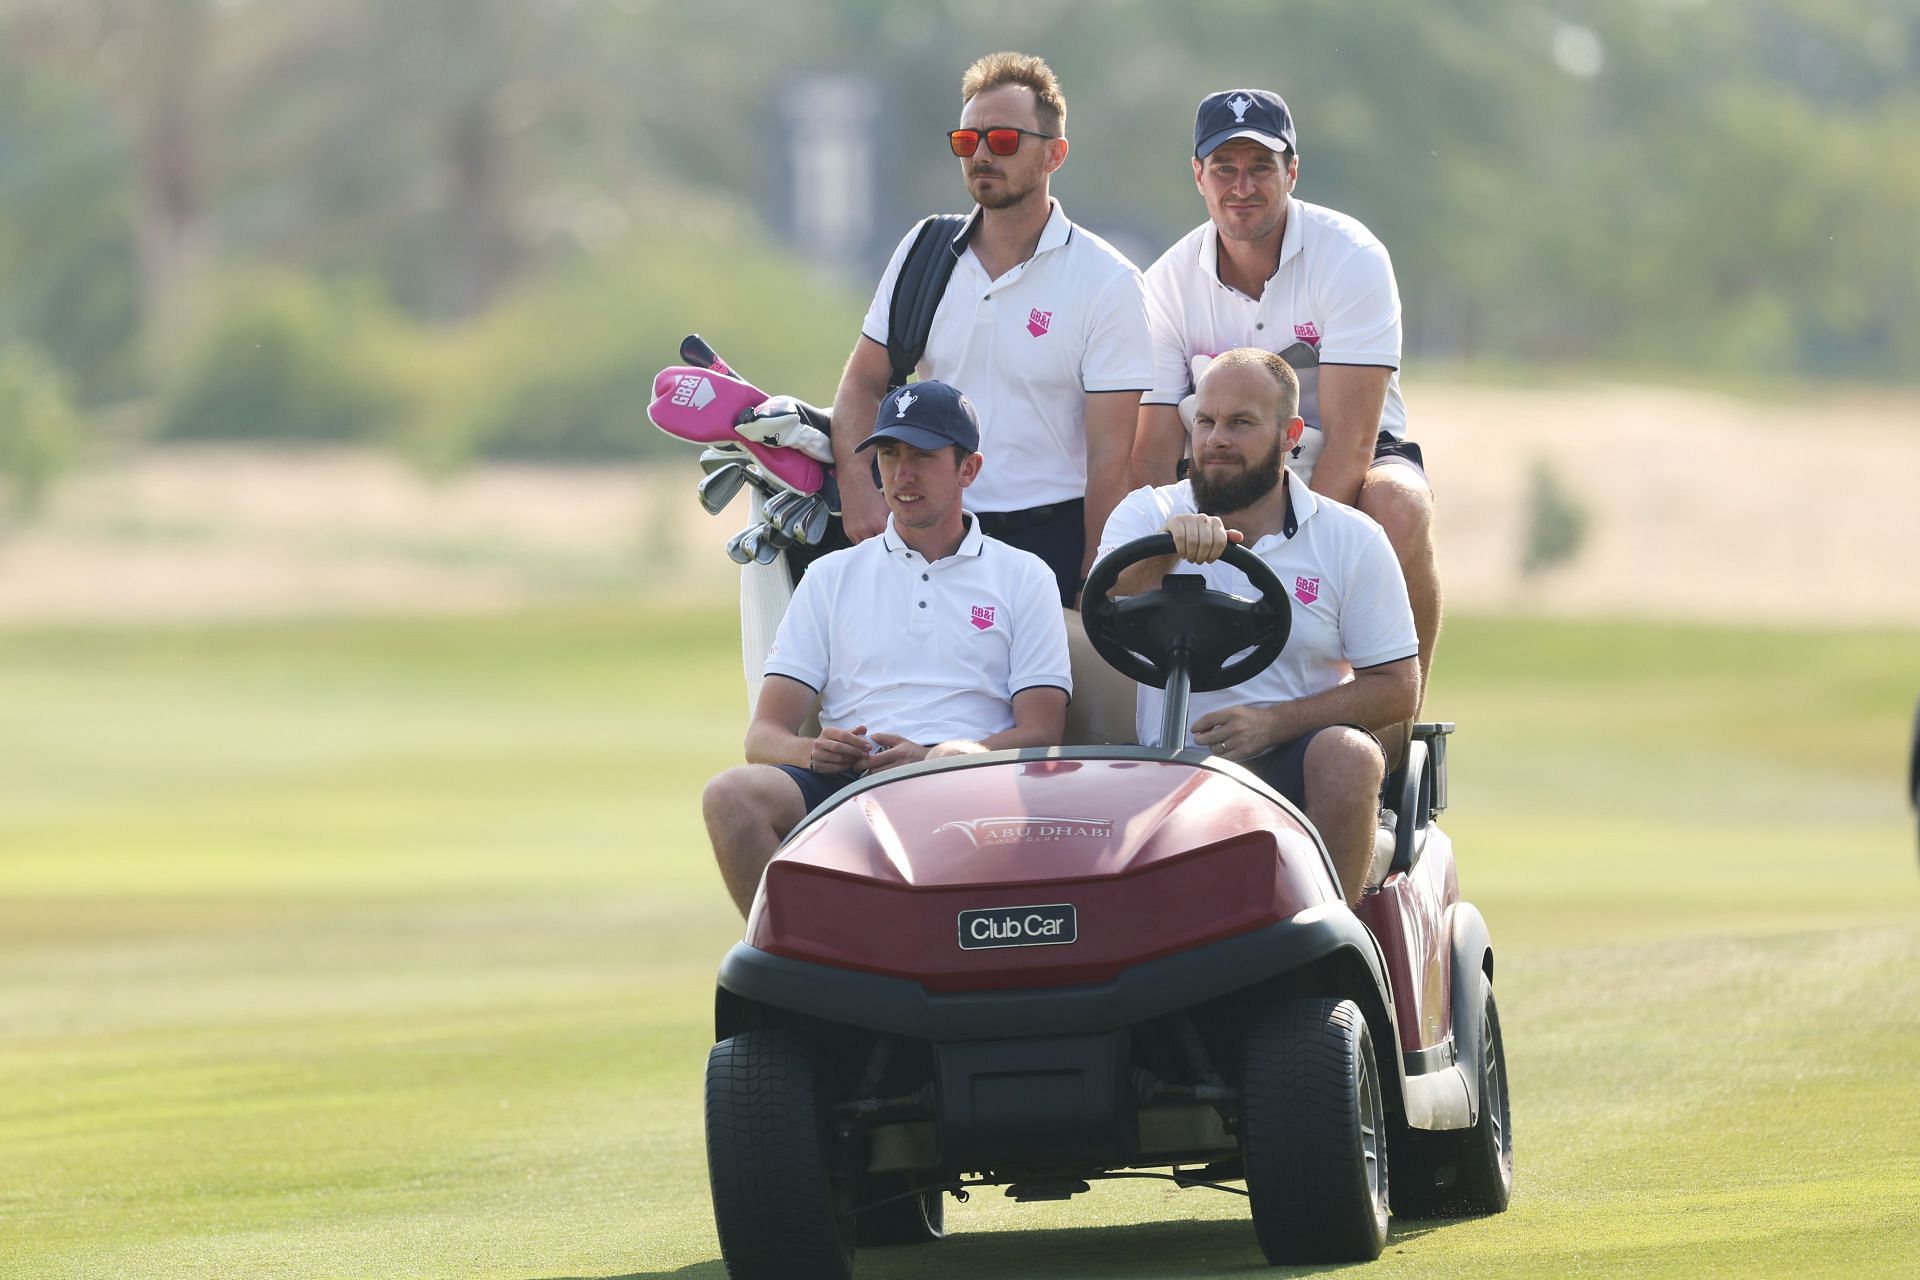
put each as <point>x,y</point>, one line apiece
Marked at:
<point>718,488</point>
<point>779,509</point>
<point>771,544</point>
<point>809,525</point>
<point>738,550</point>
<point>716,456</point>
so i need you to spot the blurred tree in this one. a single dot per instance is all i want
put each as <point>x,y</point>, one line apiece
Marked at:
<point>68,279</point>
<point>286,360</point>
<point>1556,522</point>
<point>1694,188</point>
<point>44,435</point>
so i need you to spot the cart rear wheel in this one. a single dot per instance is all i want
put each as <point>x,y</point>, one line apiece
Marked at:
<point>1313,1133</point>
<point>779,1209</point>
<point>1468,1171</point>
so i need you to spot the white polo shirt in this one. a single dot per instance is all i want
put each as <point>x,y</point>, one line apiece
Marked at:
<point>930,651</point>
<point>1027,348</point>
<point>1348,597</point>
<point>1332,300</point>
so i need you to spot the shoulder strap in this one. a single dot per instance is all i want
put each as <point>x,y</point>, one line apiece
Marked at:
<point>917,292</point>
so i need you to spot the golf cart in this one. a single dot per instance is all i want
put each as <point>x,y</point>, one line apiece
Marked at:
<point>1040,968</point>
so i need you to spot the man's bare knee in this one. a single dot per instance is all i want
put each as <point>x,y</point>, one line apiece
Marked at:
<point>1401,503</point>
<point>749,809</point>
<point>756,792</point>
<point>1344,762</point>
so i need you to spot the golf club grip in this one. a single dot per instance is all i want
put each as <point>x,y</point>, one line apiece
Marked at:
<point>696,350</point>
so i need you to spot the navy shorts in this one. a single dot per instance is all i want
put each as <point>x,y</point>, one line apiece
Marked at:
<point>1386,449</point>
<point>816,787</point>
<point>1284,768</point>
<point>1056,533</point>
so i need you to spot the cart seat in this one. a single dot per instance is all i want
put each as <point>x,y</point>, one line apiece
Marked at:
<point>1101,712</point>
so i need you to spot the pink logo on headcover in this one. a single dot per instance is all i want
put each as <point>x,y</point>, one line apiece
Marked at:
<point>693,391</point>
<point>1307,333</point>
<point>1306,590</point>
<point>1038,322</point>
<point>983,616</point>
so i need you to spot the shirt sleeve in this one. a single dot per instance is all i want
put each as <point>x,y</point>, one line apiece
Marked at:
<point>1376,620</point>
<point>1135,516</point>
<point>1119,350</point>
<point>880,310</point>
<point>1171,372</point>
<point>1039,652</point>
<point>803,645</point>
<point>1361,310</point>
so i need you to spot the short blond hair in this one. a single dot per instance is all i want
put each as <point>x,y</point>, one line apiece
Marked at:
<point>1287,405</point>
<point>1023,69</point>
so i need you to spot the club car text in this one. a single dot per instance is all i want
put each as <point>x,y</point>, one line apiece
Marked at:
<point>1049,926</point>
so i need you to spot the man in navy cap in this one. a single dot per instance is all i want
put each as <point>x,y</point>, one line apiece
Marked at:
<point>1316,287</point>
<point>930,639</point>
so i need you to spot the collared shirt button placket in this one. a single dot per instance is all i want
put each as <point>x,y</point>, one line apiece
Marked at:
<point>917,623</point>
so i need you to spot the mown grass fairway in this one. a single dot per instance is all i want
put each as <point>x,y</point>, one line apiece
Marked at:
<point>385,949</point>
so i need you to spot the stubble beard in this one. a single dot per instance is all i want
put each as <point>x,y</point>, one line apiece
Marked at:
<point>1238,492</point>
<point>1006,197</point>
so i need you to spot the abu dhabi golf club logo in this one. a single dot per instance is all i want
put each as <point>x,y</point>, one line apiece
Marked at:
<point>984,833</point>
<point>904,403</point>
<point>983,617</point>
<point>1306,590</point>
<point>693,391</point>
<point>1239,104</point>
<point>1038,322</point>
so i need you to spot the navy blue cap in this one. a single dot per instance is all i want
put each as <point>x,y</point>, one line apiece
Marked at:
<point>926,415</point>
<point>1242,113</point>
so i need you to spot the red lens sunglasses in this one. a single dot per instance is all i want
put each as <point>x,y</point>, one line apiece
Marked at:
<point>1002,139</point>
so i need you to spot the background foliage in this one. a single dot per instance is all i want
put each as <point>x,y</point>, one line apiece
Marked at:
<point>531,202</point>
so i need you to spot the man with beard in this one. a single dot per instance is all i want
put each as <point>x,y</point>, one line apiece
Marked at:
<point>1270,270</point>
<point>1042,324</point>
<point>1311,724</point>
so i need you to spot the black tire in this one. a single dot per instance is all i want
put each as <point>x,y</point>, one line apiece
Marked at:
<point>779,1210</point>
<point>1313,1133</point>
<point>1469,1171</point>
<point>920,1219</point>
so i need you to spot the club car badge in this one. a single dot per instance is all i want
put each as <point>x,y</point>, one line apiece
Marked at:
<point>1053,925</point>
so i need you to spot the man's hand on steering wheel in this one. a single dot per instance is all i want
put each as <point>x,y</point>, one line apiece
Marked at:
<point>1199,538</point>
<point>1141,635</point>
<point>1236,733</point>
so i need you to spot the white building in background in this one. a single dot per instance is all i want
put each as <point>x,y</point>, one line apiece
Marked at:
<point>831,122</point>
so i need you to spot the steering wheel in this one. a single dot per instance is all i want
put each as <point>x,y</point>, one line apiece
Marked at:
<point>1139,635</point>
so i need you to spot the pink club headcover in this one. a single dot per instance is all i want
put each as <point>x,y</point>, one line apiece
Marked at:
<point>702,406</point>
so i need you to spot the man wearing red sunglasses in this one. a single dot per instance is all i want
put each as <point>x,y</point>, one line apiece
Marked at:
<point>1042,324</point>
<point>1316,287</point>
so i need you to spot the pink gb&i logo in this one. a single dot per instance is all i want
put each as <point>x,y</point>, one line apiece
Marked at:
<point>1307,333</point>
<point>1306,590</point>
<point>693,391</point>
<point>983,616</point>
<point>1038,322</point>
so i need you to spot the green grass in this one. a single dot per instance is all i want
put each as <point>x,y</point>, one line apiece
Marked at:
<point>386,949</point>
